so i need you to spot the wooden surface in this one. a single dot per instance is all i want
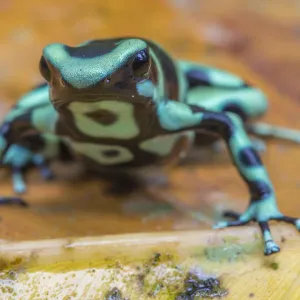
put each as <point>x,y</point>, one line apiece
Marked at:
<point>156,266</point>
<point>257,41</point>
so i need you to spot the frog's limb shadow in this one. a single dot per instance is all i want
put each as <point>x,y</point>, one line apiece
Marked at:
<point>176,117</point>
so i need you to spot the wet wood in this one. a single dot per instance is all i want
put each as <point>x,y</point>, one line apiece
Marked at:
<point>259,41</point>
<point>166,265</point>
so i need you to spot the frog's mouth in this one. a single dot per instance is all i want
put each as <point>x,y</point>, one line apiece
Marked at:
<point>61,104</point>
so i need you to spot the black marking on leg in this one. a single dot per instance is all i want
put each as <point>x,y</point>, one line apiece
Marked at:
<point>264,227</point>
<point>270,246</point>
<point>233,107</point>
<point>231,214</point>
<point>17,127</point>
<point>33,142</point>
<point>249,158</point>
<point>197,77</point>
<point>237,223</point>
<point>286,219</point>
<point>216,124</point>
<point>219,124</point>
<point>259,190</point>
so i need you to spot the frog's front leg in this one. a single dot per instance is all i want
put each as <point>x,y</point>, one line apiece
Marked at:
<point>18,150</point>
<point>177,116</point>
<point>19,158</point>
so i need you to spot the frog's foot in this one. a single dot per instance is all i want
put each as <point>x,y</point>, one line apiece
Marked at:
<point>40,162</point>
<point>19,159</point>
<point>262,218</point>
<point>18,173</point>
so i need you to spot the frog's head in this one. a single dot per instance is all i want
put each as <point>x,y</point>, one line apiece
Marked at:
<point>96,70</point>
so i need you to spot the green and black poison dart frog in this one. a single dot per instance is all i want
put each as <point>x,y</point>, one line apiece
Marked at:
<point>125,103</point>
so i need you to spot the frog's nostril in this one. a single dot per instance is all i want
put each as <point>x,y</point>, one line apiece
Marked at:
<point>44,69</point>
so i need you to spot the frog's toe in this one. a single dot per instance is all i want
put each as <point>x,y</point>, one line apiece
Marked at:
<point>46,173</point>
<point>231,214</point>
<point>13,200</point>
<point>41,163</point>
<point>271,247</point>
<point>297,224</point>
<point>290,220</point>
<point>238,220</point>
<point>19,185</point>
<point>224,224</point>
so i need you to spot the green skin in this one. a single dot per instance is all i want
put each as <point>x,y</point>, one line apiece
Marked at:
<point>125,103</point>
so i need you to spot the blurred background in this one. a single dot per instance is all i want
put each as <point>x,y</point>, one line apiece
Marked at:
<point>258,40</point>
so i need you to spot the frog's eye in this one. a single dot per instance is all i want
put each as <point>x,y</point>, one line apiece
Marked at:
<point>44,69</point>
<point>140,63</point>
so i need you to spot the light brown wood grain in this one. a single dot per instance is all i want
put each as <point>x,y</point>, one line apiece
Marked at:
<point>205,183</point>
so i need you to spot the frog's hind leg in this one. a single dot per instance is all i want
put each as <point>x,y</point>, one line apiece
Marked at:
<point>262,208</point>
<point>247,102</point>
<point>219,90</point>
<point>216,103</point>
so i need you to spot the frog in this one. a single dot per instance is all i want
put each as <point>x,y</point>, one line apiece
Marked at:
<point>126,103</point>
